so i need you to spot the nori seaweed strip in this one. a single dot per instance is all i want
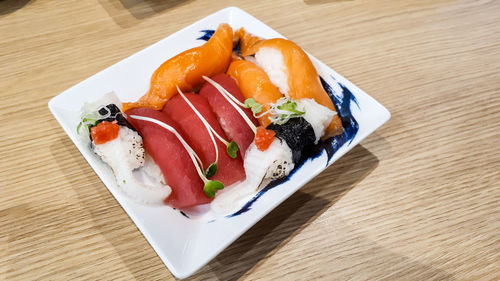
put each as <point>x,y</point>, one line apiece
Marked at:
<point>117,115</point>
<point>297,133</point>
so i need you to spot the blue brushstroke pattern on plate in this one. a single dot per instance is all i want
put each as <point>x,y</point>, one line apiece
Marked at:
<point>342,102</point>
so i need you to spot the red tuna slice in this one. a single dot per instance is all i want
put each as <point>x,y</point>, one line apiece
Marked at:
<point>172,158</point>
<point>229,170</point>
<point>232,122</point>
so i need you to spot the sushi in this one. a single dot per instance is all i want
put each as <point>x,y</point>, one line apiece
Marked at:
<point>291,70</point>
<point>121,147</point>
<point>216,125</point>
<point>168,151</point>
<point>229,170</point>
<point>187,68</point>
<point>254,83</point>
<point>274,163</point>
<point>233,124</point>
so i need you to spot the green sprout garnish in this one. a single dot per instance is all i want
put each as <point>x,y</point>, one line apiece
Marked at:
<point>211,170</point>
<point>291,106</point>
<point>89,120</point>
<point>253,105</point>
<point>232,149</point>
<point>78,127</point>
<point>211,186</point>
<point>283,110</point>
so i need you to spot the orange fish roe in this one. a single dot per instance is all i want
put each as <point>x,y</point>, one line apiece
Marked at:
<point>104,132</point>
<point>264,138</point>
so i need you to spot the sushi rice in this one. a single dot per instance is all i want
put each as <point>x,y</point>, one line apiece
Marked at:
<point>317,115</point>
<point>274,163</point>
<point>126,155</point>
<point>137,175</point>
<point>271,61</point>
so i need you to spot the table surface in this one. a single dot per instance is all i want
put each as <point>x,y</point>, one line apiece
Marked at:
<point>418,200</point>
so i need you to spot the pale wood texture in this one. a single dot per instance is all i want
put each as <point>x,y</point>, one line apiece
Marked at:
<point>418,200</point>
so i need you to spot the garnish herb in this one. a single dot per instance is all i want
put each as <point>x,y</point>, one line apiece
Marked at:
<point>253,105</point>
<point>290,106</point>
<point>232,149</point>
<point>88,121</point>
<point>283,110</point>
<point>210,186</point>
<point>280,112</point>
<point>211,170</point>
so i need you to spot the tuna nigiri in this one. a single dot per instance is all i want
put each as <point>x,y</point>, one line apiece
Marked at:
<point>291,70</point>
<point>172,158</point>
<point>231,121</point>
<point>254,83</point>
<point>229,170</point>
<point>187,68</point>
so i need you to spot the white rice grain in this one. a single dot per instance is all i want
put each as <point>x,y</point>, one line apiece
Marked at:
<point>271,61</point>
<point>317,115</point>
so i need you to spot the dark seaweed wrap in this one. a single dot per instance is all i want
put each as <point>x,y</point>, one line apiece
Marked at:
<point>298,135</point>
<point>116,114</point>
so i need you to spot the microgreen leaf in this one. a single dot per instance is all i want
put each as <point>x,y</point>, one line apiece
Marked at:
<point>211,186</point>
<point>291,106</point>
<point>252,104</point>
<point>232,149</point>
<point>88,120</point>
<point>211,170</point>
<point>78,128</point>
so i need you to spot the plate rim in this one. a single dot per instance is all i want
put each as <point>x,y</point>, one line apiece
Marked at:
<point>231,10</point>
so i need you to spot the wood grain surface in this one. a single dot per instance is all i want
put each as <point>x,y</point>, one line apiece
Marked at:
<point>417,200</point>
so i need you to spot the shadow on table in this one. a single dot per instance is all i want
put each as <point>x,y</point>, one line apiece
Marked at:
<point>264,238</point>
<point>127,13</point>
<point>279,226</point>
<point>302,208</point>
<point>106,213</point>
<point>289,218</point>
<point>9,6</point>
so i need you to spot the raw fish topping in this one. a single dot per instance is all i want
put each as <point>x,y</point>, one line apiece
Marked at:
<point>104,132</point>
<point>264,138</point>
<point>215,124</point>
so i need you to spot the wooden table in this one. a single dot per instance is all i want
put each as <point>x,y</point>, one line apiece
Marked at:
<point>417,200</point>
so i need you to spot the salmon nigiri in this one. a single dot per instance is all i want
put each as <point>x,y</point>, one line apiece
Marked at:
<point>187,69</point>
<point>254,83</point>
<point>291,70</point>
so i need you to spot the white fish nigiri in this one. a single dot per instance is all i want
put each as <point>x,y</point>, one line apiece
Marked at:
<point>126,155</point>
<point>273,163</point>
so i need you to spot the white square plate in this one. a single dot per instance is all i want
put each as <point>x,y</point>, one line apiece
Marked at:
<point>181,242</point>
